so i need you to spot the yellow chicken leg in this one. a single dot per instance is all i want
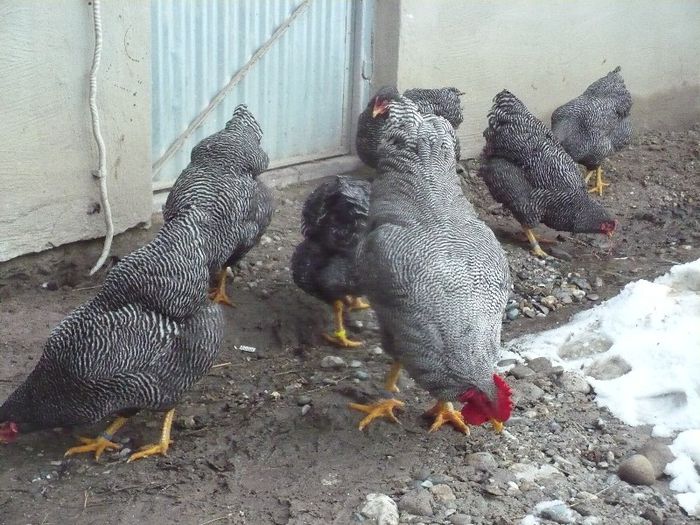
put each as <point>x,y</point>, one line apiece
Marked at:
<point>536,250</point>
<point>356,303</point>
<point>218,294</point>
<point>157,448</point>
<point>599,184</point>
<point>101,443</point>
<point>382,408</point>
<point>444,412</point>
<point>392,377</point>
<point>340,337</point>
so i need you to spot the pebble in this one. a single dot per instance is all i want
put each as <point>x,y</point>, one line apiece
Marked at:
<point>582,283</point>
<point>591,520</point>
<point>530,472</point>
<point>303,400</point>
<point>355,363</point>
<point>380,508</point>
<point>305,409</point>
<point>610,368</point>
<point>521,372</point>
<point>540,365</point>
<point>655,516</point>
<point>593,297</point>
<point>506,362</point>
<point>526,392</point>
<point>513,314</point>
<point>333,361</point>
<point>426,484</point>
<point>460,519</point>
<point>658,454</point>
<point>417,501</point>
<point>573,382</point>
<point>598,283</point>
<point>549,301</point>
<point>578,295</point>
<point>361,375</point>
<point>636,470</point>
<point>481,461</point>
<point>558,513</point>
<point>443,493</point>
<point>376,351</point>
<point>529,312</point>
<point>187,422</point>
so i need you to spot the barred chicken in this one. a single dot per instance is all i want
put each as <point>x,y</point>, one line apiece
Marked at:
<point>595,124</point>
<point>323,264</point>
<point>443,102</point>
<point>222,180</point>
<point>151,332</point>
<point>436,276</point>
<point>527,170</point>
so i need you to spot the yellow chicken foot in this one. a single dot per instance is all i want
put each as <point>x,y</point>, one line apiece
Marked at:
<point>444,412</point>
<point>218,294</point>
<point>600,184</point>
<point>356,303</point>
<point>340,337</point>
<point>392,377</point>
<point>497,426</point>
<point>382,408</point>
<point>536,250</point>
<point>157,448</point>
<point>101,443</point>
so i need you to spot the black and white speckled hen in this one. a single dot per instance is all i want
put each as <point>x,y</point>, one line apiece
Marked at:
<point>221,180</point>
<point>443,102</point>
<point>528,171</point>
<point>147,336</point>
<point>323,264</point>
<point>595,124</point>
<point>436,276</point>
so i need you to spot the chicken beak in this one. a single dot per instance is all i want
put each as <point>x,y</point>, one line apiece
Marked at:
<point>497,426</point>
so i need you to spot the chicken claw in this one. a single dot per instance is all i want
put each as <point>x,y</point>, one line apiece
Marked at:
<point>444,412</point>
<point>599,184</point>
<point>356,303</point>
<point>157,448</point>
<point>382,408</point>
<point>218,294</point>
<point>101,443</point>
<point>340,338</point>
<point>536,250</point>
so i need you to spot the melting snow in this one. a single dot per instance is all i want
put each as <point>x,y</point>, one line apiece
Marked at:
<point>640,351</point>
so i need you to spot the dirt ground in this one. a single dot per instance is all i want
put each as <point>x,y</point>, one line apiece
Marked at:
<point>266,437</point>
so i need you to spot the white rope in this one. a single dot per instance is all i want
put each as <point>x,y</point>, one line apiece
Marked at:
<point>101,172</point>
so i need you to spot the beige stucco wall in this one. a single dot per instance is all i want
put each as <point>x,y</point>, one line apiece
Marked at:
<point>47,150</point>
<point>547,52</point>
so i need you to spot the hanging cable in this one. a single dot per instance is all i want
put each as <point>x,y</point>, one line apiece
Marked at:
<point>101,172</point>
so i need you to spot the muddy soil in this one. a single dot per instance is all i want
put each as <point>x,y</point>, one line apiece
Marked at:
<point>266,437</point>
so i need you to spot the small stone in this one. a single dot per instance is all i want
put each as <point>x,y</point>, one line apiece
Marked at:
<point>506,362</point>
<point>265,239</point>
<point>573,382</point>
<point>513,314</point>
<point>593,297</point>
<point>658,454</point>
<point>521,372</point>
<point>582,283</point>
<point>549,301</point>
<point>598,283</point>
<point>361,375</point>
<point>591,520</point>
<point>540,365</point>
<point>426,484</point>
<point>305,409</point>
<point>443,493</point>
<point>417,501</point>
<point>333,361</point>
<point>376,351</point>
<point>565,298</point>
<point>578,295</point>
<point>460,519</point>
<point>542,309</point>
<point>655,516</point>
<point>483,461</point>
<point>558,513</point>
<point>636,470</point>
<point>303,400</point>
<point>355,364</point>
<point>610,368</point>
<point>529,312</point>
<point>50,285</point>
<point>526,392</point>
<point>380,508</point>
<point>187,422</point>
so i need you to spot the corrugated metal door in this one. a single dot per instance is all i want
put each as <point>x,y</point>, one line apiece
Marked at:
<point>289,60</point>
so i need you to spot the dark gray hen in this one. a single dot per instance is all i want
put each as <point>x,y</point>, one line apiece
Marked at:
<point>323,264</point>
<point>146,337</point>
<point>436,275</point>
<point>443,102</point>
<point>221,180</point>
<point>595,124</point>
<point>528,171</point>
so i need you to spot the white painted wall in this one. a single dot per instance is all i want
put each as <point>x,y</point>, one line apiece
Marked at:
<point>547,52</point>
<point>47,150</point>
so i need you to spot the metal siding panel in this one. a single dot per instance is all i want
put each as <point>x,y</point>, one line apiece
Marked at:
<point>299,90</point>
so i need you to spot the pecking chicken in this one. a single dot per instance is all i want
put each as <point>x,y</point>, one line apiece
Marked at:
<point>435,274</point>
<point>323,264</point>
<point>595,124</point>
<point>147,336</point>
<point>222,180</point>
<point>443,102</point>
<point>527,171</point>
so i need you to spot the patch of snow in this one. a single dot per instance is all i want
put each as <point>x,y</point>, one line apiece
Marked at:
<point>646,343</point>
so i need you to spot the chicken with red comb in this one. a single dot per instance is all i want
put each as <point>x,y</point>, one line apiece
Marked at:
<point>435,274</point>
